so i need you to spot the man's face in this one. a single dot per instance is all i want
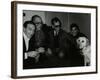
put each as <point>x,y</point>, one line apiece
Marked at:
<point>38,22</point>
<point>74,31</point>
<point>29,30</point>
<point>56,26</point>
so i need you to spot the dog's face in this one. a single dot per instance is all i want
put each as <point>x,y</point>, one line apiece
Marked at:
<point>82,42</point>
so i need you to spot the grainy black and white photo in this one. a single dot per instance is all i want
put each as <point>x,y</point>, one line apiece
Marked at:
<point>53,39</point>
<point>56,39</point>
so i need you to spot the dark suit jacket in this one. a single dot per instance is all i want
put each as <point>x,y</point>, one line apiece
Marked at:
<point>41,36</point>
<point>30,62</point>
<point>64,40</point>
<point>59,45</point>
<point>67,45</point>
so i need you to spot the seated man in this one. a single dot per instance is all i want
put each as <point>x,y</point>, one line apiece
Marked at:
<point>41,37</point>
<point>30,53</point>
<point>62,49</point>
<point>59,45</point>
<point>41,33</point>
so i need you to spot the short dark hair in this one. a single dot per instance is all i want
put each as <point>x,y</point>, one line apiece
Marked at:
<point>33,17</point>
<point>55,19</point>
<point>28,22</point>
<point>74,25</point>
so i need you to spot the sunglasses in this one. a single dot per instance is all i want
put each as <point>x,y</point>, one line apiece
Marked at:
<point>56,25</point>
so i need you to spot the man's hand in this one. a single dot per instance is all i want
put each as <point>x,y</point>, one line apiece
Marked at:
<point>61,54</point>
<point>40,50</point>
<point>32,54</point>
<point>49,51</point>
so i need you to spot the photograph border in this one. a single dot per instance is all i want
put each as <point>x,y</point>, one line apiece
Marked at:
<point>14,37</point>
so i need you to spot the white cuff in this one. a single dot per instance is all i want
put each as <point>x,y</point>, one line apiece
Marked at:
<point>26,56</point>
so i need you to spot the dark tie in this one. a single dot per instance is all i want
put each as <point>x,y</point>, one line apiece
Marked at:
<point>56,39</point>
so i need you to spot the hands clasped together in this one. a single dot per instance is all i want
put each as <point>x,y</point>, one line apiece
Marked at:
<point>35,54</point>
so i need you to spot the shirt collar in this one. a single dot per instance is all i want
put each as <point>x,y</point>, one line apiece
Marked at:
<point>25,37</point>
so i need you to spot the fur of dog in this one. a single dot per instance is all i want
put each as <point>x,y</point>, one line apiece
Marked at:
<point>84,46</point>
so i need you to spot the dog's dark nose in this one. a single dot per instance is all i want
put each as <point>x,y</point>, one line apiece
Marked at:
<point>80,51</point>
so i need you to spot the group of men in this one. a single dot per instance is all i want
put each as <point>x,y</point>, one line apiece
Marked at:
<point>49,46</point>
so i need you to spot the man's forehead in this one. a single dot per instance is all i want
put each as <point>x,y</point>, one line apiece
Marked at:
<point>30,25</point>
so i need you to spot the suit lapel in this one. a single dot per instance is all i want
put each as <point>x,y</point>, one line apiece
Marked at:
<point>24,46</point>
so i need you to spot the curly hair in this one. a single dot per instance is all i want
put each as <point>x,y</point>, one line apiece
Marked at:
<point>74,25</point>
<point>55,19</point>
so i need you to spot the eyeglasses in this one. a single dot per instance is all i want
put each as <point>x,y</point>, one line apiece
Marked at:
<point>56,25</point>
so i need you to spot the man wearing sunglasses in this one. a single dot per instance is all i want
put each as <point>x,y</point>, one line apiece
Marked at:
<point>41,38</point>
<point>59,45</point>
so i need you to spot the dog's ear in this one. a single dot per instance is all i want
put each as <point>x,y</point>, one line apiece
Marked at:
<point>87,42</point>
<point>77,40</point>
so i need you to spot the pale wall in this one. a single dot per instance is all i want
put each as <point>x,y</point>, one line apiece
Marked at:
<point>5,41</point>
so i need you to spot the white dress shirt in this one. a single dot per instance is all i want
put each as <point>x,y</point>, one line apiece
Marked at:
<point>56,33</point>
<point>27,44</point>
<point>26,41</point>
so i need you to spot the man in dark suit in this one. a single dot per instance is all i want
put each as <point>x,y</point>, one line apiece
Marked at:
<point>30,52</point>
<point>62,49</point>
<point>41,37</point>
<point>59,45</point>
<point>42,30</point>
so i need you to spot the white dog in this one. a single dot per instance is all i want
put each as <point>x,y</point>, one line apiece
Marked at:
<point>84,46</point>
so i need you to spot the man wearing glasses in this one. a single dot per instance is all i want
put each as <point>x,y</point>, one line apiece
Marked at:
<point>41,38</point>
<point>61,46</point>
